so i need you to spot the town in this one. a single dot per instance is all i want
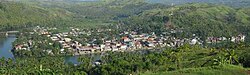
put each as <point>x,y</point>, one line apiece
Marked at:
<point>127,41</point>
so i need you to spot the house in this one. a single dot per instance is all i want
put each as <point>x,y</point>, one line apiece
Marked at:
<point>138,44</point>
<point>126,39</point>
<point>18,47</point>
<point>150,39</point>
<point>45,33</point>
<point>107,48</point>
<point>242,37</point>
<point>30,43</point>
<point>118,44</point>
<point>97,48</point>
<point>193,41</point>
<point>76,42</point>
<point>65,45</point>
<point>212,40</point>
<point>138,38</point>
<point>62,50</point>
<point>123,47</point>
<point>102,47</point>
<point>115,49</point>
<point>224,38</point>
<point>85,50</point>
<point>108,41</point>
<point>61,42</point>
<point>48,35</point>
<point>67,39</point>
<point>54,38</point>
<point>150,44</point>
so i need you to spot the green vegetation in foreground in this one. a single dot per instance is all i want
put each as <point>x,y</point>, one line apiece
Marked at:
<point>214,70</point>
<point>186,59</point>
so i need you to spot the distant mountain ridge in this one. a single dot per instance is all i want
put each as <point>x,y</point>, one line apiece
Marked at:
<point>234,3</point>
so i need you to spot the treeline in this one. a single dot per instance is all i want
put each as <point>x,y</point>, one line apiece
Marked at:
<point>115,63</point>
<point>22,14</point>
<point>201,19</point>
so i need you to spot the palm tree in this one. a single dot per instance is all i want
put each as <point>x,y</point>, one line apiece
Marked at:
<point>86,63</point>
<point>176,57</point>
<point>231,57</point>
<point>227,57</point>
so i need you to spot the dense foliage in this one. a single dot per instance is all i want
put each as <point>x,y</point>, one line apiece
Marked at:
<point>16,15</point>
<point>202,19</point>
<point>164,60</point>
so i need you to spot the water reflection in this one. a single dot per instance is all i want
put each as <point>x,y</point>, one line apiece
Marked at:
<point>6,46</point>
<point>72,59</point>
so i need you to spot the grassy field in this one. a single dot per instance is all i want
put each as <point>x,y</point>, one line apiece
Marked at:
<point>216,70</point>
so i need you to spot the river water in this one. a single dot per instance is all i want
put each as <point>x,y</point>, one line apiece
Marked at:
<point>6,46</point>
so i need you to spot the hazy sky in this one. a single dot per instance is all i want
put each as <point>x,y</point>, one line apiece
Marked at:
<point>48,0</point>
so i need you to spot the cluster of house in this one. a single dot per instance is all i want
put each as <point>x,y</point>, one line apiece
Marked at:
<point>235,39</point>
<point>24,46</point>
<point>127,41</point>
<point>30,44</point>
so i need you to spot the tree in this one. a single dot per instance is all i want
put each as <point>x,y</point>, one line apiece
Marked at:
<point>231,56</point>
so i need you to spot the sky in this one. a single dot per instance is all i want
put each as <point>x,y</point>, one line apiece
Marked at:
<point>48,0</point>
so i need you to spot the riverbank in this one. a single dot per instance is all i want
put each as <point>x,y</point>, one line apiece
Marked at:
<point>2,35</point>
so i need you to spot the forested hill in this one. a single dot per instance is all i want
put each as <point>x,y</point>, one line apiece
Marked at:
<point>27,12</point>
<point>18,14</point>
<point>233,3</point>
<point>202,19</point>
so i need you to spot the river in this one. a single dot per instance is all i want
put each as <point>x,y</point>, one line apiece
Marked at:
<point>6,46</point>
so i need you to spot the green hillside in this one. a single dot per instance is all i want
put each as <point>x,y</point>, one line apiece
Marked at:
<point>18,15</point>
<point>232,3</point>
<point>14,14</point>
<point>58,13</point>
<point>202,19</point>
